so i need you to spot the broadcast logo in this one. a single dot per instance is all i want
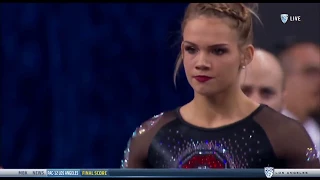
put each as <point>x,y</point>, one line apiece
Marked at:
<point>268,171</point>
<point>285,17</point>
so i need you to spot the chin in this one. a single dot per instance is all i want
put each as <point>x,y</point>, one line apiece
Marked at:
<point>206,91</point>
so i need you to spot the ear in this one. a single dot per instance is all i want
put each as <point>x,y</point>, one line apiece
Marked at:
<point>248,54</point>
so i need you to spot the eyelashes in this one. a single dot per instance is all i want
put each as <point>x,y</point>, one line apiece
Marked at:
<point>264,92</point>
<point>216,51</point>
<point>219,51</point>
<point>190,50</point>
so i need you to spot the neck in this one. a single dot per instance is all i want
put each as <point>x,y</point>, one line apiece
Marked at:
<point>232,104</point>
<point>298,112</point>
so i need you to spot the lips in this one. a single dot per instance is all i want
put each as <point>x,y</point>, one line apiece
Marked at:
<point>202,78</point>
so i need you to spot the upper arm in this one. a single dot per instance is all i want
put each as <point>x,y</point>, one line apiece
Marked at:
<point>299,150</point>
<point>134,154</point>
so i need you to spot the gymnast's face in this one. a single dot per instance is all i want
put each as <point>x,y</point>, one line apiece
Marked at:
<point>211,55</point>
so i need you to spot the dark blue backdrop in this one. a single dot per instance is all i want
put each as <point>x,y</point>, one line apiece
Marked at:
<point>77,79</point>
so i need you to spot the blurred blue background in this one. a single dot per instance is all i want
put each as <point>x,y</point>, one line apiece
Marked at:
<point>77,79</point>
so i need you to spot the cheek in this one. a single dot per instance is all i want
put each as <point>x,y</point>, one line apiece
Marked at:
<point>188,64</point>
<point>228,66</point>
<point>273,99</point>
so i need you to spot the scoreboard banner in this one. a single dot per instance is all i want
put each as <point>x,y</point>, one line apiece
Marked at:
<point>268,172</point>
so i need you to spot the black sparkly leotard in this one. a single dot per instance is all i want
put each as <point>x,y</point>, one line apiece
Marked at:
<point>264,138</point>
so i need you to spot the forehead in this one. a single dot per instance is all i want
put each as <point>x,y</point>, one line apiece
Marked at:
<point>259,80</point>
<point>262,73</point>
<point>306,56</point>
<point>209,30</point>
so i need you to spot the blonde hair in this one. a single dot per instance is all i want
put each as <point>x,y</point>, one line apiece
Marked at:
<point>239,12</point>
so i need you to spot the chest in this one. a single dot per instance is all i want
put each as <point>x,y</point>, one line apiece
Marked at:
<point>176,149</point>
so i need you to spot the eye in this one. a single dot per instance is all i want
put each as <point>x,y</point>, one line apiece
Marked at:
<point>219,51</point>
<point>246,90</point>
<point>190,49</point>
<point>266,93</point>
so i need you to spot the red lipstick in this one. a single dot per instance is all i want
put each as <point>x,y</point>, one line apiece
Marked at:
<point>202,78</point>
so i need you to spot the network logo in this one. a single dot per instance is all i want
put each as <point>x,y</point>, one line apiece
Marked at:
<point>286,17</point>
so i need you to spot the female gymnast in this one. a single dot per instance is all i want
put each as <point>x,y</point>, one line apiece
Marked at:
<point>220,127</point>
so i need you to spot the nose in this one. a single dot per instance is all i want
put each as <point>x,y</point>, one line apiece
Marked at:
<point>202,62</point>
<point>256,97</point>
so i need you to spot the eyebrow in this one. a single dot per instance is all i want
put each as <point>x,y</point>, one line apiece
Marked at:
<point>214,45</point>
<point>312,68</point>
